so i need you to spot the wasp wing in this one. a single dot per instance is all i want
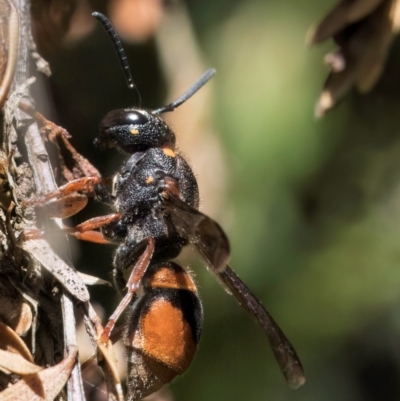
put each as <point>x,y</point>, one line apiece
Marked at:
<point>202,231</point>
<point>284,352</point>
<point>213,245</point>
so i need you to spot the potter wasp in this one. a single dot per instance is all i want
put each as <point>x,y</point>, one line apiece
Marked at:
<point>155,199</point>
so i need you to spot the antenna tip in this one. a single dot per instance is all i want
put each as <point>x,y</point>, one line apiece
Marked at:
<point>99,16</point>
<point>210,72</point>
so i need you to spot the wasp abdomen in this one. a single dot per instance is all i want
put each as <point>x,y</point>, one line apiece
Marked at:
<point>164,329</point>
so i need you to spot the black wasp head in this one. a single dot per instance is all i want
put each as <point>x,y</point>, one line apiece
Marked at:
<point>133,130</point>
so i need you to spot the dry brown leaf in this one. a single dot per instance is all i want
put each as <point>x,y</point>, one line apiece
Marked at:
<point>45,385</point>
<point>15,311</point>
<point>345,13</point>
<point>336,86</point>
<point>17,364</point>
<point>372,61</point>
<point>10,341</point>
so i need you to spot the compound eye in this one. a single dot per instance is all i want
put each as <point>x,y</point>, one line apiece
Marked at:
<point>119,117</point>
<point>135,118</point>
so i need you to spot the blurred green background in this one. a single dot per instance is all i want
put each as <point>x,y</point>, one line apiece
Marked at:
<point>312,207</point>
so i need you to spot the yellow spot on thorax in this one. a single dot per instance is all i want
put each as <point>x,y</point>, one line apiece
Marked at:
<point>169,152</point>
<point>149,179</point>
<point>134,131</point>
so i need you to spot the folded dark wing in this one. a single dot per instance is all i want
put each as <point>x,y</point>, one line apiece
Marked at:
<point>213,245</point>
<point>202,231</point>
<point>284,352</point>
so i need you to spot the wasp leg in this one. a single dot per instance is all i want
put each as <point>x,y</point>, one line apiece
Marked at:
<point>66,201</point>
<point>92,236</point>
<point>86,184</point>
<point>86,230</point>
<point>66,206</point>
<point>51,131</point>
<point>86,168</point>
<point>133,283</point>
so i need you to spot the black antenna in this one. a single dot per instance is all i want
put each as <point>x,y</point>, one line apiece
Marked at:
<point>118,48</point>
<point>189,93</point>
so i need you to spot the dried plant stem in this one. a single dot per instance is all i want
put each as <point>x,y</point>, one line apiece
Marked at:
<point>54,296</point>
<point>43,177</point>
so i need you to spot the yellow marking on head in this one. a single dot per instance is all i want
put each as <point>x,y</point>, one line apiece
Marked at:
<point>134,131</point>
<point>169,152</point>
<point>149,179</point>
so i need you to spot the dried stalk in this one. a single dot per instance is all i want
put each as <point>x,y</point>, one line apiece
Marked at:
<point>25,265</point>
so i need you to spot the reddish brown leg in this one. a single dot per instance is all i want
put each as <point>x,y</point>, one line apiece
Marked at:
<point>85,184</point>
<point>116,334</point>
<point>133,283</point>
<point>66,201</point>
<point>50,132</point>
<point>97,222</point>
<point>66,206</point>
<point>87,168</point>
<point>92,236</point>
<point>85,231</point>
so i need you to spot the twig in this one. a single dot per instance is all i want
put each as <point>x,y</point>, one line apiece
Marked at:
<point>13,36</point>
<point>45,182</point>
<point>75,386</point>
<point>38,158</point>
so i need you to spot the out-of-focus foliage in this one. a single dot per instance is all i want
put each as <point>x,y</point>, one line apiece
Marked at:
<point>363,31</point>
<point>312,209</point>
